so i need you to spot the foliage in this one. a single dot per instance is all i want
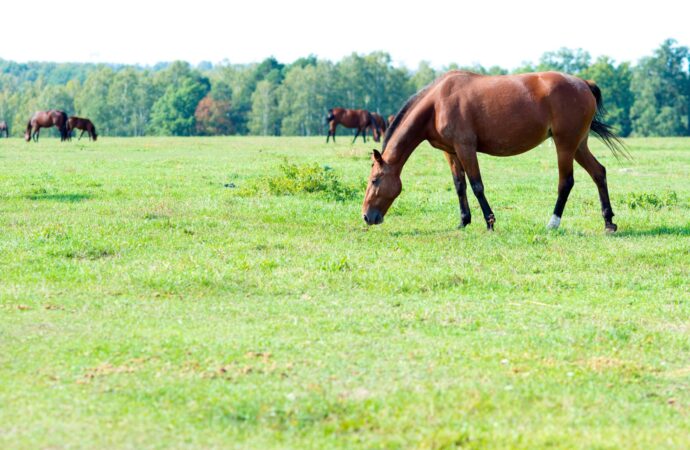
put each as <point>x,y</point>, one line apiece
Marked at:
<point>310,179</point>
<point>661,85</point>
<point>650,200</point>
<point>614,81</point>
<point>213,117</point>
<point>173,113</point>
<point>271,98</point>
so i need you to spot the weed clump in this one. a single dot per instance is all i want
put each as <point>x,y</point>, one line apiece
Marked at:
<point>651,201</point>
<point>293,179</point>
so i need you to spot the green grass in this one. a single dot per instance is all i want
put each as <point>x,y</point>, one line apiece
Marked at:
<point>159,293</point>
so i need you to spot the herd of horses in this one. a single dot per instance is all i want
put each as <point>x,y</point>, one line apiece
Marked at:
<point>54,118</point>
<point>64,124</point>
<point>461,114</point>
<point>359,119</point>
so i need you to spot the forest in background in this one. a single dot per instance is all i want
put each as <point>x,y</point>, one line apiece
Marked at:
<point>648,98</point>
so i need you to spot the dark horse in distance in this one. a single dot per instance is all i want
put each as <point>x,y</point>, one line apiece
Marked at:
<point>463,113</point>
<point>80,123</point>
<point>381,124</point>
<point>360,119</point>
<point>46,119</point>
<point>3,129</point>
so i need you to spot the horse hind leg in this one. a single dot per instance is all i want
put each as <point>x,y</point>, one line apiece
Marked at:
<point>598,173</point>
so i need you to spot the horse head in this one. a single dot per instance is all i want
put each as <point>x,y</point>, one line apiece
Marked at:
<point>383,188</point>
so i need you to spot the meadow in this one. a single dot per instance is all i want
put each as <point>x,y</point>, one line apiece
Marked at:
<point>226,293</point>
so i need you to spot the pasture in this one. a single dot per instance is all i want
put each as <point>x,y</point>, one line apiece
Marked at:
<point>225,293</point>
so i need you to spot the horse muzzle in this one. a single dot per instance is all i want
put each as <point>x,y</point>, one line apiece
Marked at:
<point>373,217</point>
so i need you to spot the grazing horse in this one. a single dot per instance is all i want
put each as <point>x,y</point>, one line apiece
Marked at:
<point>46,119</point>
<point>80,123</point>
<point>351,118</point>
<point>381,124</point>
<point>3,129</point>
<point>463,113</point>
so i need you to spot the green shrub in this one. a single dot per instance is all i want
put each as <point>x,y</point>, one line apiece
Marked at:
<point>294,179</point>
<point>651,201</point>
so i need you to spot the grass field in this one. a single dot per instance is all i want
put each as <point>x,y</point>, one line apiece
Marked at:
<point>162,293</point>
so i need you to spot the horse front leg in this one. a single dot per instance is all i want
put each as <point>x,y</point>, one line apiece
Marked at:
<point>460,188</point>
<point>468,160</point>
<point>356,134</point>
<point>82,134</point>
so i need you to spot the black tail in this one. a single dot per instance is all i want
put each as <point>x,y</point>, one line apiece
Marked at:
<point>602,130</point>
<point>93,132</point>
<point>375,130</point>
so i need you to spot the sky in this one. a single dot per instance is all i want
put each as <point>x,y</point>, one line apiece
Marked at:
<point>486,32</point>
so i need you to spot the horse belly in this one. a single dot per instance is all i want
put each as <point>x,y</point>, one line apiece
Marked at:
<point>511,127</point>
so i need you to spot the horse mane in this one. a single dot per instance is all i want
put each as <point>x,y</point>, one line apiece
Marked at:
<point>403,111</point>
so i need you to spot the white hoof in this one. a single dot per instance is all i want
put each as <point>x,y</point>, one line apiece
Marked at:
<point>554,223</point>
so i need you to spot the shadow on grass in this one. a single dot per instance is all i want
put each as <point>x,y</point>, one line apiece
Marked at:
<point>66,198</point>
<point>656,231</point>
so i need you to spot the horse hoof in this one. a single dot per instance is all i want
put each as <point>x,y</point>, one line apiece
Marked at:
<point>611,228</point>
<point>490,221</point>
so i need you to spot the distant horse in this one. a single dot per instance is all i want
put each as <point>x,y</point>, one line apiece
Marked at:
<point>463,113</point>
<point>46,119</point>
<point>4,129</point>
<point>80,123</point>
<point>381,124</point>
<point>351,118</point>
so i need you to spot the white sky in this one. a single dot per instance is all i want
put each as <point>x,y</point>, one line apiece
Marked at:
<point>488,32</point>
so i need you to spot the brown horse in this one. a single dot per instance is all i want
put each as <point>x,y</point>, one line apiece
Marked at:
<point>351,118</point>
<point>46,119</point>
<point>463,113</point>
<point>80,123</point>
<point>3,129</point>
<point>381,124</point>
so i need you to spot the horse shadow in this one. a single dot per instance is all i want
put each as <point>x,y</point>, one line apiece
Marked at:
<point>64,198</point>
<point>665,230</point>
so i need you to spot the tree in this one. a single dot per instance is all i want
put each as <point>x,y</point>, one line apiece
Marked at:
<point>263,118</point>
<point>173,113</point>
<point>304,98</point>
<point>213,117</point>
<point>92,100</point>
<point>614,82</point>
<point>424,75</point>
<point>565,60</point>
<point>661,86</point>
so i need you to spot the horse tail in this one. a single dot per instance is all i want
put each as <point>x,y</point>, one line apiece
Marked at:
<point>601,129</point>
<point>330,115</point>
<point>375,130</point>
<point>93,131</point>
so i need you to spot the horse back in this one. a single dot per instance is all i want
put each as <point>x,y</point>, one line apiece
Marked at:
<point>509,114</point>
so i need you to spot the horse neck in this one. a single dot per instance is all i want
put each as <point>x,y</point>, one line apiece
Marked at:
<point>411,132</point>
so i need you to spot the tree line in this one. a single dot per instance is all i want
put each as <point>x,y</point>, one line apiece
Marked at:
<point>649,98</point>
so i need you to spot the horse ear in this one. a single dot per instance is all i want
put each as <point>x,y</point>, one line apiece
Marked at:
<point>377,157</point>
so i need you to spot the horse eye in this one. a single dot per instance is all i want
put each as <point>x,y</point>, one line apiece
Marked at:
<point>375,181</point>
